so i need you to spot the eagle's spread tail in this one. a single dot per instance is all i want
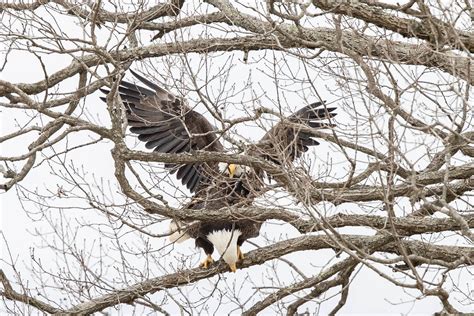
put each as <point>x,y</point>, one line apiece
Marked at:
<point>178,234</point>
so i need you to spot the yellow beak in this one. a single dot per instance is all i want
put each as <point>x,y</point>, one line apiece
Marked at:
<point>231,168</point>
<point>233,267</point>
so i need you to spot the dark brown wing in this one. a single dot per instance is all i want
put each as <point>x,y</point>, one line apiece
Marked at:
<point>167,125</point>
<point>287,141</point>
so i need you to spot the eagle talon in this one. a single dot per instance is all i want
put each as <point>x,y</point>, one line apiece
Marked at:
<point>233,267</point>
<point>207,262</point>
<point>240,255</point>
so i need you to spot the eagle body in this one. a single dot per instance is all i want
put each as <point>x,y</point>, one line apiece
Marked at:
<point>245,229</point>
<point>225,236</point>
<point>166,124</point>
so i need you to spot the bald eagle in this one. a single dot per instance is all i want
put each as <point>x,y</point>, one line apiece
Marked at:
<point>168,125</point>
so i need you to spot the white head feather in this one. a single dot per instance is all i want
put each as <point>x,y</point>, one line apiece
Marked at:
<point>225,168</point>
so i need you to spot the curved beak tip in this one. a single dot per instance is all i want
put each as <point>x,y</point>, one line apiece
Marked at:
<point>231,170</point>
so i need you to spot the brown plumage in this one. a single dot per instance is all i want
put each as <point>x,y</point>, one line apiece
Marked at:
<point>168,125</point>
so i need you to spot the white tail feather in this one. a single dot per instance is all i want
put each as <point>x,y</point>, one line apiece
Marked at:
<point>225,241</point>
<point>178,236</point>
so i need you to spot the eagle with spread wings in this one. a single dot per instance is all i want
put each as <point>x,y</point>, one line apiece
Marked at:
<point>167,124</point>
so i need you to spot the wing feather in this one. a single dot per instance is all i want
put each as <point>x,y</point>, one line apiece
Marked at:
<point>162,140</point>
<point>183,171</point>
<point>194,182</point>
<point>188,177</point>
<point>168,147</point>
<point>167,125</point>
<point>134,87</point>
<point>183,146</point>
<point>149,129</point>
<point>284,142</point>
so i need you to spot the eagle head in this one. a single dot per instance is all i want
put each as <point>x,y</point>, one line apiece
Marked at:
<point>232,170</point>
<point>225,241</point>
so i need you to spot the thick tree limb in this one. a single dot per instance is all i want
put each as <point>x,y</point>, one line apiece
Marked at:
<point>411,28</point>
<point>259,256</point>
<point>9,293</point>
<point>321,38</point>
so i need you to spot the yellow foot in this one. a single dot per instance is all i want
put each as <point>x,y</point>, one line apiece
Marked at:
<point>207,262</point>
<point>240,255</point>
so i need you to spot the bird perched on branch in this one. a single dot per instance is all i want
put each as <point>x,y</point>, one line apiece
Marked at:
<point>168,125</point>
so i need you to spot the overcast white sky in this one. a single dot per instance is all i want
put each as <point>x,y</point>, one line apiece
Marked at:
<point>26,233</point>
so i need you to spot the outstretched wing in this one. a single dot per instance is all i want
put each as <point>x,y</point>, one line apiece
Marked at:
<point>167,125</point>
<point>287,141</point>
